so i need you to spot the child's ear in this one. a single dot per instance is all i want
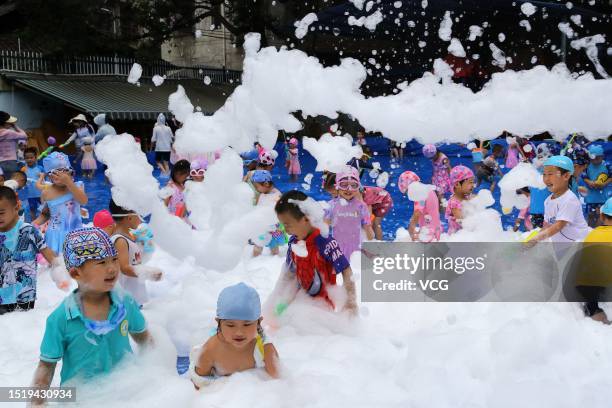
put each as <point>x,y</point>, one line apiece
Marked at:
<point>74,273</point>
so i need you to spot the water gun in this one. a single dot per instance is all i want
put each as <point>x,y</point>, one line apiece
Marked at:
<point>569,144</point>
<point>144,235</point>
<point>531,235</point>
<point>51,141</point>
<point>601,179</point>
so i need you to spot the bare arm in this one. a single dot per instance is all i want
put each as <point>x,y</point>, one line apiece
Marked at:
<point>546,232</point>
<point>42,218</point>
<point>143,339</point>
<point>48,254</point>
<point>413,223</point>
<point>204,365</point>
<point>271,361</point>
<point>369,231</point>
<point>457,214</point>
<point>42,379</point>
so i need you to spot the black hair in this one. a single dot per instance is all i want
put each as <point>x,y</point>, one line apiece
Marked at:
<point>7,193</point>
<point>180,167</point>
<point>285,204</point>
<point>330,181</point>
<point>117,210</point>
<point>32,150</point>
<point>523,190</point>
<point>572,179</point>
<point>21,174</point>
<point>497,147</point>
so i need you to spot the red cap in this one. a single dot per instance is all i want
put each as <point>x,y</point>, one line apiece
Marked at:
<point>103,219</point>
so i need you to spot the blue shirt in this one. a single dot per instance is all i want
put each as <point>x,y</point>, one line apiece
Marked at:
<point>33,173</point>
<point>595,196</point>
<point>538,196</point>
<point>85,354</point>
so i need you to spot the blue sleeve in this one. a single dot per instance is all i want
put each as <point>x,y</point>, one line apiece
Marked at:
<point>330,251</point>
<point>288,259</point>
<point>136,320</point>
<point>52,346</point>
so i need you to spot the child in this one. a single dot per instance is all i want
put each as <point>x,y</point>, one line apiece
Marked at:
<point>512,155</point>
<point>238,344</point>
<point>441,169</point>
<point>348,214</point>
<point>175,201</point>
<point>523,216</point>
<point>88,330</point>
<point>596,189</point>
<point>396,150</point>
<point>88,162</point>
<point>426,214</point>
<point>265,161</point>
<point>313,269</point>
<point>20,243</point>
<point>379,202</point>
<point>462,180</point>
<point>21,147</point>
<point>104,220</point>
<point>293,164</point>
<point>563,218</point>
<point>267,195</point>
<point>596,260</point>
<point>198,170</point>
<point>329,184</point>
<point>33,172</point>
<point>130,254</point>
<point>63,200</point>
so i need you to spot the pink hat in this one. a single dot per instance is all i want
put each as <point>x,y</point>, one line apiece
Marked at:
<point>405,179</point>
<point>460,173</point>
<point>293,141</point>
<point>349,173</point>
<point>429,151</point>
<point>267,158</point>
<point>103,219</point>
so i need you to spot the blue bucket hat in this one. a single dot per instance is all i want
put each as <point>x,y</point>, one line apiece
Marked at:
<point>238,302</point>
<point>596,150</point>
<point>56,160</point>
<point>85,244</point>
<point>607,207</point>
<point>261,176</point>
<point>563,162</point>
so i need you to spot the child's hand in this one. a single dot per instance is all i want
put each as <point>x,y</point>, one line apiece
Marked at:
<point>62,178</point>
<point>148,272</point>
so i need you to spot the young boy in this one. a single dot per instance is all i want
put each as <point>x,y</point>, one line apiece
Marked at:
<point>89,330</point>
<point>19,244</point>
<point>131,252</point>
<point>315,271</point>
<point>596,187</point>
<point>32,171</point>
<point>594,273</point>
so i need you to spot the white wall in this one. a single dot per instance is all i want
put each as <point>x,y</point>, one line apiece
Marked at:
<point>31,109</point>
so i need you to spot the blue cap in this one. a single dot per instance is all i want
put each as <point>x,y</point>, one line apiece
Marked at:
<point>607,207</point>
<point>563,162</point>
<point>56,160</point>
<point>596,150</point>
<point>238,302</point>
<point>261,176</point>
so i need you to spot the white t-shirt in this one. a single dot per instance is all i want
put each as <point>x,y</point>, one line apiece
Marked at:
<point>162,137</point>
<point>567,207</point>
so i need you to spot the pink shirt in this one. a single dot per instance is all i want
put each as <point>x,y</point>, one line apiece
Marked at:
<point>453,223</point>
<point>429,218</point>
<point>374,195</point>
<point>8,143</point>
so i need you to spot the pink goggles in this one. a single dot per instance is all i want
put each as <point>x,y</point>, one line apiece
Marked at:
<point>348,185</point>
<point>197,172</point>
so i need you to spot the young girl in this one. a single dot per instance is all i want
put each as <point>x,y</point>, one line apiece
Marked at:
<point>293,164</point>
<point>88,163</point>
<point>379,202</point>
<point>512,155</point>
<point>426,214</point>
<point>63,199</point>
<point>524,216</point>
<point>462,180</point>
<point>239,342</point>
<point>441,170</point>
<point>175,201</point>
<point>348,214</point>
<point>267,195</point>
<point>563,219</point>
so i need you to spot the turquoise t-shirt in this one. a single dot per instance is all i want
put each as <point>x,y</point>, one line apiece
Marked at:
<point>84,353</point>
<point>595,196</point>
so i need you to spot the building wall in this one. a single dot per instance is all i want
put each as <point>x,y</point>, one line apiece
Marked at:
<point>31,109</point>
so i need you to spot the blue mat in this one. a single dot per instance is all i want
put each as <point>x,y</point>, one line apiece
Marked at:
<point>99,192</point>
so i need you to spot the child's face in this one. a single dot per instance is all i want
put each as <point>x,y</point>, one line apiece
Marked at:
<point>30,159</point>
<point>9,214</point>
<point>21,181</point>
<point>347,194</point>
<point>465,187</point>
<point>181,178</point>
<point>60,177</point>
<point>97,275</point>
<point>132,221</point>
<point>238,333</point>
<point>110,230</point>
<point>293,226</point>
<point>263,188</point>
<point>597,160</point>
<point>197,178</point>
<point>555,180</point>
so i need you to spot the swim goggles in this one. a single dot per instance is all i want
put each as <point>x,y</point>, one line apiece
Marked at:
<point>102,327</point>
<point>348,185</point>
<point>197,172</point>
<point>60,170</point>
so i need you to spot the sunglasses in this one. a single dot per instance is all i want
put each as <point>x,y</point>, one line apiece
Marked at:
<point>348,185</point>
<point>197,173</point>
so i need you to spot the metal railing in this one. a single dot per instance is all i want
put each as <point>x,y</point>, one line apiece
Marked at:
<point>35,62</point>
